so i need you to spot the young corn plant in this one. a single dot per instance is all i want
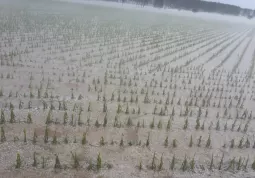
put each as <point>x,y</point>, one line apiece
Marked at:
<point>166,142</point>
<point>211,164</point>
<point>192,164</point>
<point>197,123</point>
<point>152,125</point>
<point>172,163</point>
<point>186,123</point>
<point>168,125</point>
<point>2,119</point>
<point>199,141</point>
<point>12,119</point>
<point>75,159</point>
<point>148,140</point>
<point>18,161</point>
<point>246,164</point>
<point>184,165</point>
<point>221,162</point>
<point>99,162</point>
<point>191,141</point>
<point>3,138</point>
<point>35,160</point>
<point>25,135</point>
<point>105,120</point>
<point>54,140</point>
<point>46,135</point>
<point>239,164</point>
<point>159,124</point>
<point>102,142</point>
<point>160,167</point>
<point>29,118</point>
<point>57,164</point>
<point>231,165</point>
<point>121,142</point>
<point>34,137</point>
<point>140,167</point>
<point>84,139</point>
<point>253,165</point>
<point>240,143</point>
<point>153,163</point>
<point>174,143</point>
<point>208,142</point>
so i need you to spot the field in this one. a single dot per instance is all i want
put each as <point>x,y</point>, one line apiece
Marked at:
<point>94,91</point>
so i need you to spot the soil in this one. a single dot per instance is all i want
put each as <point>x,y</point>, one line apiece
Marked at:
<point>88,53</point>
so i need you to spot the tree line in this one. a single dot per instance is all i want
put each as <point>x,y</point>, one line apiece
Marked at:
<point>196,6</point>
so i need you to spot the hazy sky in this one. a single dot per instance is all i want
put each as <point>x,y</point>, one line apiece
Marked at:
<point>242,3</point>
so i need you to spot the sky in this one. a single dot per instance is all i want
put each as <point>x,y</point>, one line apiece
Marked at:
<point>242,3</point>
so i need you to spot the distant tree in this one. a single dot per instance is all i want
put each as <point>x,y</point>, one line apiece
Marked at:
<point>158,3</point>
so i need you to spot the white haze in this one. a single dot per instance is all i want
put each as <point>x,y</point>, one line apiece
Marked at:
<point>201,15</point>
